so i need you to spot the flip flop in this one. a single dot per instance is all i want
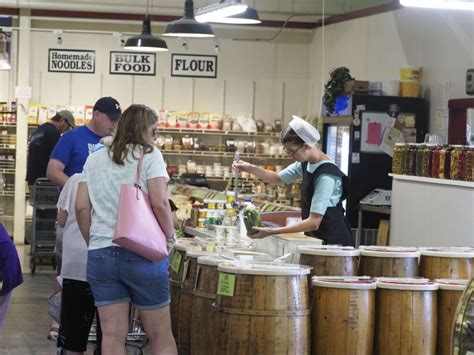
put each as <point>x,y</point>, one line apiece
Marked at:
<point>53,334</point>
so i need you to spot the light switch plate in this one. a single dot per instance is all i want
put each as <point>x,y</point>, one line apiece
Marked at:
<point>470,82</point>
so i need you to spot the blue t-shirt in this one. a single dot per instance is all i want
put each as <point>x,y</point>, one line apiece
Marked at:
<point>74,147</point>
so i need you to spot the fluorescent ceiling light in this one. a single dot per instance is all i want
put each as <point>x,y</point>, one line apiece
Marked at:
<point>248,17</point>
<point>224,8</point>
<point>440,4</point>
<point>188,26</point>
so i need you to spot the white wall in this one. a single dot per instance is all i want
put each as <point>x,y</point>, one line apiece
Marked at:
<point>375,47</point>
<point>270,79</point>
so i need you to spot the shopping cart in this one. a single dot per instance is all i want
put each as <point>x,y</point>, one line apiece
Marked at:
<point>43,198</point>
<point>136,339</point>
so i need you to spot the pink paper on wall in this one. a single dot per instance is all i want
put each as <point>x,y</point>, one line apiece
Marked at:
<point>374,133</point>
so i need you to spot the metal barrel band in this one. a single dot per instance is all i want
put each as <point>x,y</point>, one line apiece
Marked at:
<point>186,291</point>
<point>302,312</point>
<point>175,283</point>
<point>211,296</point>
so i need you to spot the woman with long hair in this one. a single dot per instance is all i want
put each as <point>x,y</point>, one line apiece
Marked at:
<point>116,275</point>
<point>323,186</point>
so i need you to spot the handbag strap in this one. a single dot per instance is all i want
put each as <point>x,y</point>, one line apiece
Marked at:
<point>139,169</point>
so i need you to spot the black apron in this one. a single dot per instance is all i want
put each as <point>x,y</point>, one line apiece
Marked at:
<point>334,228</point>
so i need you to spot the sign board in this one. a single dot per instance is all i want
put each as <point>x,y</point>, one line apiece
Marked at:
<point>126,63</point>
<point>71,61</point>
<point>194,66</point>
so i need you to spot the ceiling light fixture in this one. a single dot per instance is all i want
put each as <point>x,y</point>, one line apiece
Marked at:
<point>224,8</point>
<point>187,26</point>
<point>146,42</point>
<point>440,4</point>
<point>248,17</point>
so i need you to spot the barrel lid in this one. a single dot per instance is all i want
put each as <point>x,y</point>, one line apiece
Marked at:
<point>452,284</point>
<point>408,284</point>
<point>263,268</point>
<point>448,252</point>
<point>328,250</point>
<point>389,252</point>
<point>346,282</point>
<point>245,255</point>
<point>213,260</point>
<point>197,253</point>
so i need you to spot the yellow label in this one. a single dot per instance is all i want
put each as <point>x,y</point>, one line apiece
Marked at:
<point>176,262</point>
<point>210,247</point>
<point>226,284</point>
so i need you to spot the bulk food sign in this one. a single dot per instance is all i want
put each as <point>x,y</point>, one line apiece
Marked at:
<point>194,66</point>
<point>132,63</point>
<point>71,61</point>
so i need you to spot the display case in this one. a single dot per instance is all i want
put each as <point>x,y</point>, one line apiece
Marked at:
<point>463,339</point>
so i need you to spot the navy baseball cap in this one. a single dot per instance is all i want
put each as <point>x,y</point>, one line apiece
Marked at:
<point>109,106</point>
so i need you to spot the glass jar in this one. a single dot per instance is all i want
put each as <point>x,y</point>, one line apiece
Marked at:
<point>419,159</point>
<point>398,160</point>
<point>411,167</point>
<point>458,162</point>
<point>445,163</point>
<point>427,160</point>
<point>469,176</point>
<point>435,162</point>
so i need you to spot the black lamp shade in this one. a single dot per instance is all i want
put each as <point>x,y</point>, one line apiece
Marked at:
<point>188,27</point>
<point>146,42</point>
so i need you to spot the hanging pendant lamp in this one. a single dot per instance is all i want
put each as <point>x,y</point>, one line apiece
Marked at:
<point>146,42</point>
<point>187,26</point>
<point>248,17</point>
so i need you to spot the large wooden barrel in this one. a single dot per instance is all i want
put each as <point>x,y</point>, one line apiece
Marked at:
<point>388,261</point>
<point>327,260</point>
<point>447,263</point>
<point>449,295</point>
<point>262,308</point>
<point>203,315</point>
<point>405,316</point>
<point>176,278</point>
<point>343,315</point>
<point>186,299</point>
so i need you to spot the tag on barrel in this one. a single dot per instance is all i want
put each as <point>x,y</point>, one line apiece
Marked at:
<point>176,262</point>
<point>226,284</point>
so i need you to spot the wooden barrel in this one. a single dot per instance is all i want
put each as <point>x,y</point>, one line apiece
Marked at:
<point>176,278</point>
<point>405,316</point>
<point>186,299</point>
<point>388,261</point>
<point>447,263</point>
<point>343,315</point>
<point>449,295</point>
<point>203,315</point>
<point>262,308</point>
<point>327,260</point>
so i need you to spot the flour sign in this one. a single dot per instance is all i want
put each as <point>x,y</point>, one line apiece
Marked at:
<point>127,63</point>
<point>71,61</point>
<point>194,66</point>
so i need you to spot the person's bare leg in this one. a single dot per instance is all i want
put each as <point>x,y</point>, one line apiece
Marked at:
<point>54,329</point>
<point>114,324</point>
<point>157,325</point>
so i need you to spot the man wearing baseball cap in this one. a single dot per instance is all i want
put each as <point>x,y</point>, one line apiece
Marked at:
<point>73,148</point>
<point>41,144</point>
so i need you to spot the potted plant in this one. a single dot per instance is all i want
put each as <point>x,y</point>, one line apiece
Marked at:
<point>335,87</point>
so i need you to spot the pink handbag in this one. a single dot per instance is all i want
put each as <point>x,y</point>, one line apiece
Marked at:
<point>137,228</point>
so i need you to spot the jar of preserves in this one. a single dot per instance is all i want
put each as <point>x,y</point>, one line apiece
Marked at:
<point>435,162</point>
<point>458,162</point>
<point>445,163</point>
<point>427,160</point>
<point>469,176</point>
<point>399,158</point>
<point>411,167</point>
<point>419,159</point>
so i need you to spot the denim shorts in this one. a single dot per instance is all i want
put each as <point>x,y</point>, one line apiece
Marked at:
<point>117,275</point>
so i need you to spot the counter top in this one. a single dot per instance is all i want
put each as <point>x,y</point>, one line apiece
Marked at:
<point>427,180</point>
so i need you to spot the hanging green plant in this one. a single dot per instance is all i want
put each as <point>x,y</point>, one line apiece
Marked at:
<point>335,87</point>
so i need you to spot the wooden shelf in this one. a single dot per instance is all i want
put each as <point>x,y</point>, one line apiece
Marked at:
<point>8,146</point>
<point>7,193</point>
<point>197,153</point>
<point>217,132</point>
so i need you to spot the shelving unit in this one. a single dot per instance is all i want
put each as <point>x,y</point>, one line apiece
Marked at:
<point>198,153</point>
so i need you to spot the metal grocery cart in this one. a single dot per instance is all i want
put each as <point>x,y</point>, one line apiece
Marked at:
<point>136,338</point>
<point>43,198</point>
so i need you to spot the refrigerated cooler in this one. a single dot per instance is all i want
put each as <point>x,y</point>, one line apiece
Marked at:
<point>354,142</point>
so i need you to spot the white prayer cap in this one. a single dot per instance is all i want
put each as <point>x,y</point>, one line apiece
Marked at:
<point>305,130</point>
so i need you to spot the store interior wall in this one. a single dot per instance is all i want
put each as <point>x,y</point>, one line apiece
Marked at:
<point>375,47</point>
<point>267,79</point>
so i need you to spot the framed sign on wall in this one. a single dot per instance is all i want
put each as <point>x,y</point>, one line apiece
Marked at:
<point>126,63</point>
<point>71,61</point>
<point>194,66</point>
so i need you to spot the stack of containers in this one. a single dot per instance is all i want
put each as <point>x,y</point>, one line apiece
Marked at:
<point>410,78</point>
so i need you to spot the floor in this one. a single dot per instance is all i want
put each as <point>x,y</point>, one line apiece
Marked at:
<point>28,321</point>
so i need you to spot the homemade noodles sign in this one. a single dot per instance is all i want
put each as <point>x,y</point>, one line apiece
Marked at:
<point>71,61</point>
